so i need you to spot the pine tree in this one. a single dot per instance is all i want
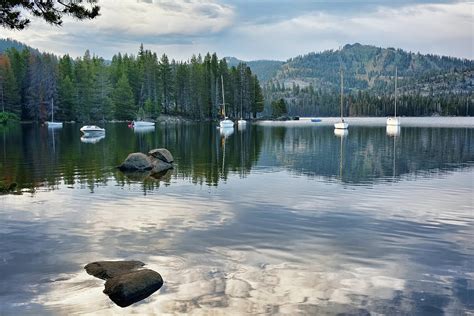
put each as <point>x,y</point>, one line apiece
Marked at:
<point>124,108</point>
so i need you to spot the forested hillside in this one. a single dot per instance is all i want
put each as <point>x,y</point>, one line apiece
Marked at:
<point>129,87</point>
<point>263,69</point>
<point>428,84</point>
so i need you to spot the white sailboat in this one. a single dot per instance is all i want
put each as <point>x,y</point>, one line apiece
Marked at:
<point>341,124</point>
<point>225,123</point>
<point>52,123</point>
<point>241,122</point>
<point>394,121</point>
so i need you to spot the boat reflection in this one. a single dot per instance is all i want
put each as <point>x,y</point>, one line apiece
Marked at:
<point>393,130</point>
<point>92,139</point>
<point>226,131</point>
<point>341,132</point>
<point>143,129</point>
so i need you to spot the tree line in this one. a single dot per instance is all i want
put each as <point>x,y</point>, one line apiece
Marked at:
<point>308,101</point>
<point>128,87</point>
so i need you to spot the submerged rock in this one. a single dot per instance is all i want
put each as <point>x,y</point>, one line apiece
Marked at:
<point>132,287</point>
<point>126,283</point>
<point>157,160</point>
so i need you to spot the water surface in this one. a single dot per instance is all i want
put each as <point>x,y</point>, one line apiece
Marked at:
<point>271,219</point>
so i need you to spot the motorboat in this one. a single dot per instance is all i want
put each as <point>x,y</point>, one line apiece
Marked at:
<point>142,123</point>
<point>92,129</point>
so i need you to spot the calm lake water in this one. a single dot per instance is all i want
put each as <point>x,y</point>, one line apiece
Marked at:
<point>273,219</point>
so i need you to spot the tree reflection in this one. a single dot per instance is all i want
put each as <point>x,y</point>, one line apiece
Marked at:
<point>33,157</point>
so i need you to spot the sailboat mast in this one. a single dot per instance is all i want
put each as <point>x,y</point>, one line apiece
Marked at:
<point>52,110</point>
<point>396,79</point>
<point>223,97</point>
<point>342,92</point>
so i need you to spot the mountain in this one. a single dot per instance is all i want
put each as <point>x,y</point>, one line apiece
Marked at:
<point>428,84</point>
<point>264,69</point>
<point>365,67</point>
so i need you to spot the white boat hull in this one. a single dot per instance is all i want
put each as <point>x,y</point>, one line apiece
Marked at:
<point>242,122</point>
<point>54,124</point>
<point>143,123</point>
<point>226,124</point>
<point>341,125</point>
<point>393,121</point>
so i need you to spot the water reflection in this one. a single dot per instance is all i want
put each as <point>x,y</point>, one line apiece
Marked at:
<point>253,223</point>
<point>35,156</point>
<point>393,130</point>
<point>143,129</point>
<point>92,139</point>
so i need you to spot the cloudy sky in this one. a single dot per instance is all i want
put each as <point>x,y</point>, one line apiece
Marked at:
<point>260,29</point>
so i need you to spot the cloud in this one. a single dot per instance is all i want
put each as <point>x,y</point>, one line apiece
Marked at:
<point>259,30</point>
<point>431,28</point>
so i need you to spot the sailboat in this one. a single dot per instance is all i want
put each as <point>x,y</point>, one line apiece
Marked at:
<point>140,122</point>
<point>394,121</point>
<point>225,123</point>
<point>341,124</point>
<point>241,122</point>
<point>52,123</point>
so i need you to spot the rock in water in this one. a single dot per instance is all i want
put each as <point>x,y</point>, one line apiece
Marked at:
<point>156,161</point>
<point>126,282</point>
<point>108,269</point>
<point>136,162</point>
<point>162,154</point>
<point>132,287</point>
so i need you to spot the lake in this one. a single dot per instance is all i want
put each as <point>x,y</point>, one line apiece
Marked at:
<point>273,219</point>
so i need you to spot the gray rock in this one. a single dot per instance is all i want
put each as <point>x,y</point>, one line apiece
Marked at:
<point>108,269</point>
<point>132,287</point>
<point>156,161</point>
<point>136,162</point>
<point>162,154</point>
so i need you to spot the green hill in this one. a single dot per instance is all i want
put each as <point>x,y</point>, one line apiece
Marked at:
<point>264,69</point>
<point>365,67</point>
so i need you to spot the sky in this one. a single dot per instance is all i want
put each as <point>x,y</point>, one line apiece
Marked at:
<point>259,29</point>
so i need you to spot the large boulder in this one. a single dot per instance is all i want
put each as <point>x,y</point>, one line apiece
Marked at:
<point>126,281</point>
<point>136,162</point>
<point>132,287</point>
<point>157,160</point>
<point>108,269</point>
<point>162,154</point>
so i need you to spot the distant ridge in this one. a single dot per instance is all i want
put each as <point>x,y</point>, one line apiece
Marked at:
<point>264,69</point>
<point>7,43</point>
